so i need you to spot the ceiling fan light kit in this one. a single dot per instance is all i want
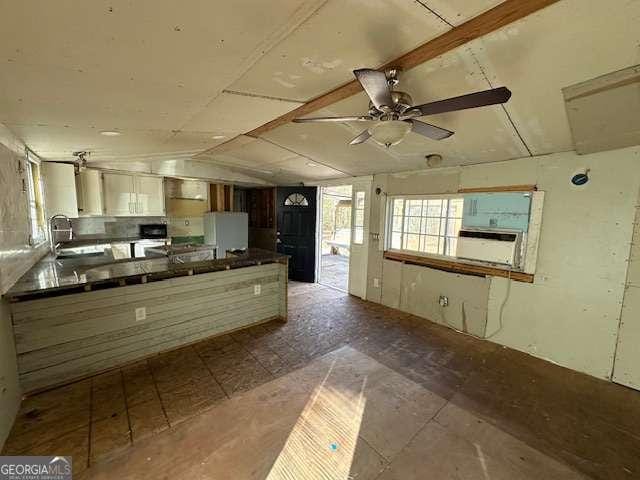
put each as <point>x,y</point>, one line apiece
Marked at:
<point>394,112</point>
<point>390,133</point>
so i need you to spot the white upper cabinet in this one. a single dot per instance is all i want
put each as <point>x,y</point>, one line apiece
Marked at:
<point>119,194</point>
<point>59,181</point>
<point>150,195</point>
<point>89,190</point>
<point>133,195</point>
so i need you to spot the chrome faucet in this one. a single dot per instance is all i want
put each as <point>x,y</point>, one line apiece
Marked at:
<point>53,229</point>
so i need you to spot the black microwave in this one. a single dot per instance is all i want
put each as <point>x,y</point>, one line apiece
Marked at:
<point>153,230</point>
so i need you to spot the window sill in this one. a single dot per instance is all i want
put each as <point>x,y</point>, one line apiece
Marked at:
<point>456,266</point>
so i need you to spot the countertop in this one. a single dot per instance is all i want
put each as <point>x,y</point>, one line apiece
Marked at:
<point>51,276</point>
<point>86,241</point>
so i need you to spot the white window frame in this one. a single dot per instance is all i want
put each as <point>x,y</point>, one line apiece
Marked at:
<point>388,237</point>
<point>355,228</point>
<point>37,236</point>
<point>529,253</point>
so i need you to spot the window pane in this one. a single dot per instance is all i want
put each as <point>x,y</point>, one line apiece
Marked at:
<point>434,208</point>
<point>443,225</point>
<point>398,205</point>
<point>360,200</point>
<point>455,207</point>
<point>452,244</point>
<point>441,245</point>
<point>431,244</point>
<point>431,226</point>
<point>412,242</point>
<point>396,240</point>
<point>397,224</point>
<point>423,239</point>
<point>296,199</point>
<point>453,227</point>
<point>412,224</point>
<point>359,218</point>
<point>358,235</point>
<point>414,208</point>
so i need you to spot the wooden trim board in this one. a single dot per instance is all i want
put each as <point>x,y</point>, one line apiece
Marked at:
<point>458,267</point>
<point>504,188</point>
<point>501,15</point>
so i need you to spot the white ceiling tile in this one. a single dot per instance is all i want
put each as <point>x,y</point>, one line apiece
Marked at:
<point>248,151</point>
<point>305,170</point>
<point>268,161</point>
<point>233,114</point>
<point>142,65</point>
<point>341,36</point>
<point>566,43</point>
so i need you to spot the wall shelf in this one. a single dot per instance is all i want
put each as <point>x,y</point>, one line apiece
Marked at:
<point>458,267</point>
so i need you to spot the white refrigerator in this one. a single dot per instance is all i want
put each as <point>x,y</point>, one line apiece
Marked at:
<point>226,230</point>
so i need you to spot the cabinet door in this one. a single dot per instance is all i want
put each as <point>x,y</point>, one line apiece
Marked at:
<point>89,184</point>
<point>150,195</point>
<point>119,196</point>
<point>59,189</point>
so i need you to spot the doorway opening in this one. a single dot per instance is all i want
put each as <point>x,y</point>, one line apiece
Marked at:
<point>335,236</point>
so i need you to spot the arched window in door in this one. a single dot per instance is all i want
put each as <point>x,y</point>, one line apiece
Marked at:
<point>296,200</point>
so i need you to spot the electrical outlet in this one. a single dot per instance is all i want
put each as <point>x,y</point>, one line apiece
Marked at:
<point>443,301</point>
<point>257,289</point>
<point>376,282</point>
<point>141,313</point>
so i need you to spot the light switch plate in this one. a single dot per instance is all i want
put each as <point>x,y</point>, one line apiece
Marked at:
<point>376,282</point>
<point>257,289</point>
<point>141,313</point>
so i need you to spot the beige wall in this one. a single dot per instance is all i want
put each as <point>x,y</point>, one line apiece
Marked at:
<point>627,366</point>
<point>570,314</point>
<point>16,257</point>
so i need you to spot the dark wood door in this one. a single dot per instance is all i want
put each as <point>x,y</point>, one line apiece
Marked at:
<point>296,230</point>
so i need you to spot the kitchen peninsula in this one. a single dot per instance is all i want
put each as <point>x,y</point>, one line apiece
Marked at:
<point>79,316</point>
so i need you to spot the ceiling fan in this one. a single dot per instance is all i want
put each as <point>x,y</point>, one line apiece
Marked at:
<point>394,112</point>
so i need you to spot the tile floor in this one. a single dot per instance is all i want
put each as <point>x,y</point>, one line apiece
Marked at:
<point>589,425</point>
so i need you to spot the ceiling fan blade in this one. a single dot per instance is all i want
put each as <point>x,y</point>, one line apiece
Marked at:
<point>428,130</point>
<point>363,137</point>
<point>471,100</point>
<point>376,85</point>
<point>354,118</point>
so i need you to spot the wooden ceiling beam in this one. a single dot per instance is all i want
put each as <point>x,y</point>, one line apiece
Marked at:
<point>501,15</point>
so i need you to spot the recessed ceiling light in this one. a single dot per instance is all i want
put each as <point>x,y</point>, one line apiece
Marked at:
<point>218,137</point>
<point>309,164</point>
<point>110,133</point>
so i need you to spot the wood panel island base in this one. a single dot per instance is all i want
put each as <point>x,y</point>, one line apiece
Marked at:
<point>67,337</point>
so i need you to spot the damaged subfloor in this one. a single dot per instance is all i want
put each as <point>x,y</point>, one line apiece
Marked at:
<point>348,388</point>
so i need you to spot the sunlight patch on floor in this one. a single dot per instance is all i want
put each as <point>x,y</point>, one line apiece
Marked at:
<point>323,441</point>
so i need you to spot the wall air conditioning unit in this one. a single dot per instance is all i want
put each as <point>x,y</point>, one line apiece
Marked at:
<point>490,245</point>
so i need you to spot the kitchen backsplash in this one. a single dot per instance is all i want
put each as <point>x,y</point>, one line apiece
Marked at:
<point>109,227</point>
